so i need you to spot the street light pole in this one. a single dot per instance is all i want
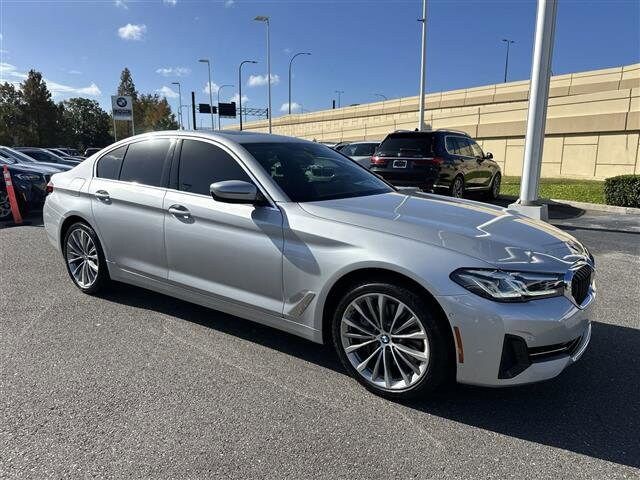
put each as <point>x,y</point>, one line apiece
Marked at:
<point>262,18</point>
<point>220,88</point>
<point>240,87</point>
<point>290,63</point>
<point>423,64</point>
<point>383,97</point>
<point>537,112</point>
<point>339,92</point>
<point>180,104</point>
<point>204,60</point>
<point>506,62</point>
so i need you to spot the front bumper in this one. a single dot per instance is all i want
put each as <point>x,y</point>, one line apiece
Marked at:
<point>516,343</point>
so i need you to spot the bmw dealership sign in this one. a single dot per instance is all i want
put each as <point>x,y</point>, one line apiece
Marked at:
<point>122,107</point>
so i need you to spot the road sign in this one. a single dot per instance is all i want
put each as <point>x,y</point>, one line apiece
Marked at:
<point>206,108</point>
<point>122,107</point>
<point>227,110</point>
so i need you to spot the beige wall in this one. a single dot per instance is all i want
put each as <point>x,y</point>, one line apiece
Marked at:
<point>592,131</point>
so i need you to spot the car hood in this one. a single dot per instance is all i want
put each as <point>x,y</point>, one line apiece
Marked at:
<point>492,234</point>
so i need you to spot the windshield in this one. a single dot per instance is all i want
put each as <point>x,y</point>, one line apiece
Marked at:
<point>309,172</point>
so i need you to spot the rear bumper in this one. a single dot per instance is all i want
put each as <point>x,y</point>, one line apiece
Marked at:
<point>511,344</point>
<point>406,179</point>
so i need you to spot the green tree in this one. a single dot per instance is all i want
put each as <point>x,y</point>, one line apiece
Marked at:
<point>156,114</point>
<point>40,113</point>
<point>85,124</point>
<point>12,127</point>
<point>128,87</point>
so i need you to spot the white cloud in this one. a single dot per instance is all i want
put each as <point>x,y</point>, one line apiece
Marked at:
<point>167,92</point>
<point>170,2</point>
<point>236,97</point>
<point>132,31</point>
<point>121,4</point>
<point>287,50</point>
<point>11,73</point>
<point>173,71</point>
<point>295,107</point>
<point>74,72</point>
<point>229,3</point>
<point>213,87</point>
<point>260,80</point>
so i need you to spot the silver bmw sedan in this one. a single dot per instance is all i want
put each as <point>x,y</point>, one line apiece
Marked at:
<point>411,289</point>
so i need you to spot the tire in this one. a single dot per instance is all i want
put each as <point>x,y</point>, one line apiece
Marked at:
<point>5,206</point>
<point>456,190</point>
<point>494,189</point>
<point>84,258</point>
<point>387,358</point>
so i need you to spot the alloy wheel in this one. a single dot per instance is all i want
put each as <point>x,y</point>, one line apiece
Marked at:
<point>385,341</point>
<point>458,188</point>
<point>82,258</point>
<point>5,205</point>
<point>496,186</point>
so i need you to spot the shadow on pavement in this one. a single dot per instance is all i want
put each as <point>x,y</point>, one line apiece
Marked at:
<point>592,409</point>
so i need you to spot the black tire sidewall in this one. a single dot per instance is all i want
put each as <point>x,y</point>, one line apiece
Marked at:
<point>103,274</point>
<point>439,360</point>
<point>497,178</point>
<point>453,186</point>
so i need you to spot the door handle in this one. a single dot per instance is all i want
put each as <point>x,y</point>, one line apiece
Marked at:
<point>179,211</point>
<point>102,195</point>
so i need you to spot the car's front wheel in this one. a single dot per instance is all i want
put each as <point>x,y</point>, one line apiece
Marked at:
<point>494,190</point>
<point>389,339</point>
<point>84,258</point>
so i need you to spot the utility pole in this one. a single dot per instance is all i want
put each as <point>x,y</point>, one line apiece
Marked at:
<point>204,60</point>
<point>423,64</point>
<point>506,62</point>
<point>537,113</point>
<point>193,109</point>
<point>180,104</point>
<point>262,18</point>
<point>290,63</point>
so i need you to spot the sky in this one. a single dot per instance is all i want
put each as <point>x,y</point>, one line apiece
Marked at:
<point>359,47</point>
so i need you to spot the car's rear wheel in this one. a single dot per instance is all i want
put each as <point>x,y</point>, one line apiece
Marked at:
<point>494,191</point>
<point>457,187</point>
<point>84,258</point>
<point>389,340</point>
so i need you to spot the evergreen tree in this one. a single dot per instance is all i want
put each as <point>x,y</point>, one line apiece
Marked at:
<point>40,113</point>
<point>12,125</point>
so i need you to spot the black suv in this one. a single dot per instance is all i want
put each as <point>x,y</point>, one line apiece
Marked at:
<point>436,160</point>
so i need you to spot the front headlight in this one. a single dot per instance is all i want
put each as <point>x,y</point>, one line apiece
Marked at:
<point>29,177</point>
<point>503,286</point>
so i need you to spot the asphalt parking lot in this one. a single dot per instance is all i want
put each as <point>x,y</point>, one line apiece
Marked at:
<point>135,384</point>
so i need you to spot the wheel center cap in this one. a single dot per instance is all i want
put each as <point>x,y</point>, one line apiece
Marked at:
<point>384,339</point>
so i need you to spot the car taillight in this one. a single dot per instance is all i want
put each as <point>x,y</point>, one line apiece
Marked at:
<point>49,187</point>
<point>375,160</point>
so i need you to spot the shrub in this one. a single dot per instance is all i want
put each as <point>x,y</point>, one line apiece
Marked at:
<point>623,190</point>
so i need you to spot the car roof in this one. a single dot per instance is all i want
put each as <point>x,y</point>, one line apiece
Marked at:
<point>372,142</point>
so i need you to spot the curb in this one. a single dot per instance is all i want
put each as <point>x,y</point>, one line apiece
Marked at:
<point>594,206</point>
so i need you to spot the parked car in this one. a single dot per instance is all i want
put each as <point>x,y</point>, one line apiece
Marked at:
<point>72,152</point>
<point>21,158</point>
<point>43,155</point>
<point>361,152</point>
<point>339,146</point>
<point>63,154</point>
<point>90,151</point>
<point>409,289</point>
<point>29,186</point>
<point>437,160</point>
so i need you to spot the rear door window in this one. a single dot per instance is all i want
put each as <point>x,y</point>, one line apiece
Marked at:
<point>109,164</point>
<point>202,164</point>
<point>407,145</point>
<point>144,162</point>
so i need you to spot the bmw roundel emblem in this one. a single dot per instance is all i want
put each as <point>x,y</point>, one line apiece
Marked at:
<point>122,102</point>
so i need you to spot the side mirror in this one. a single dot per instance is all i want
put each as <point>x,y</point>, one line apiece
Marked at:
<point>488,155</point>
<point>234,191</point>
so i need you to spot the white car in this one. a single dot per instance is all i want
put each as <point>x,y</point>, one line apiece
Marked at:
<point>411,290</point>
<point>360,152</point>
